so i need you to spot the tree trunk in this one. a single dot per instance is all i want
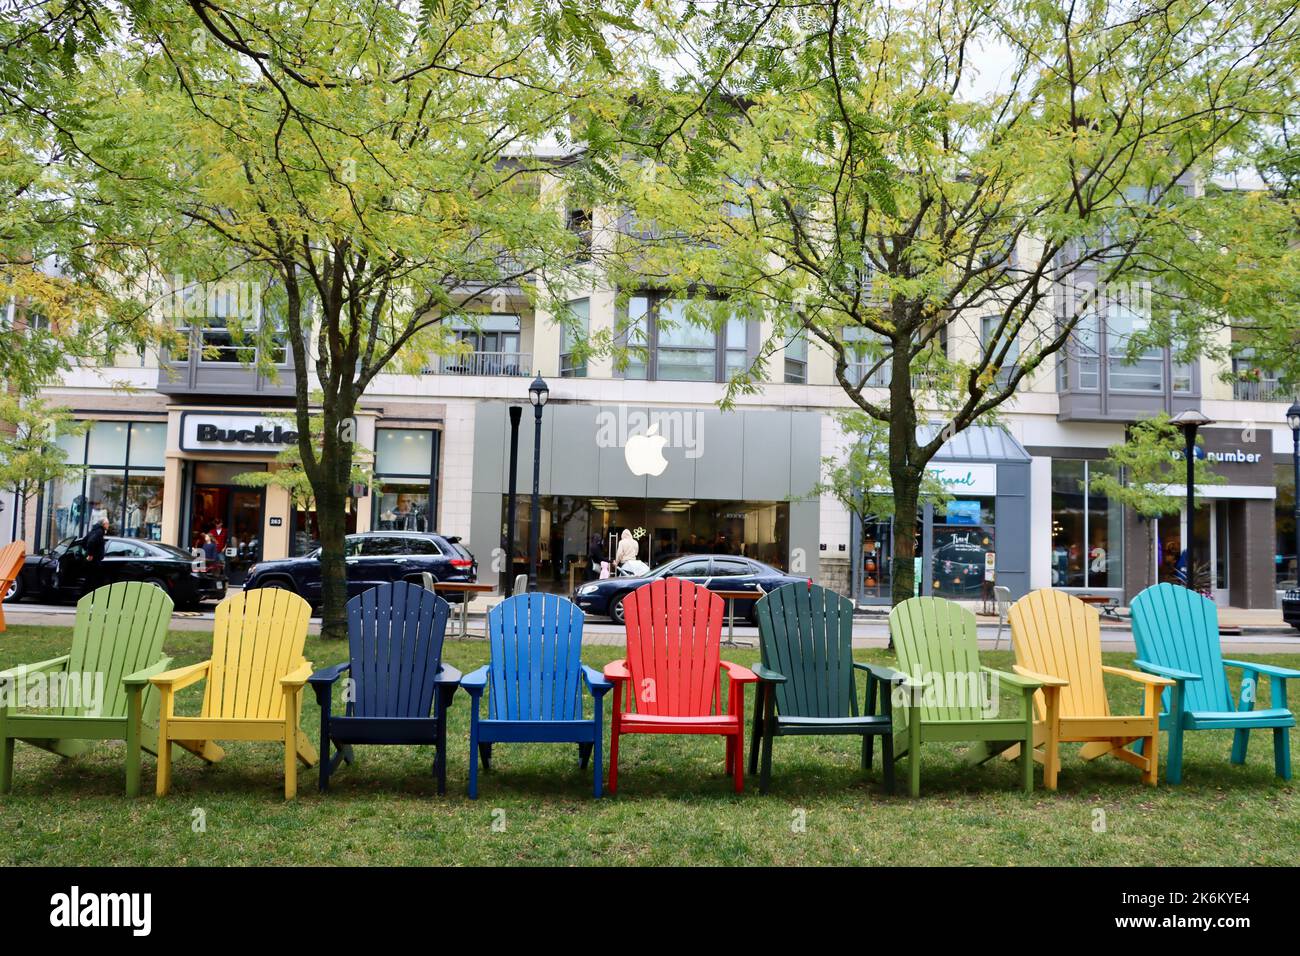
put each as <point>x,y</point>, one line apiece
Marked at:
<point>907,493</point>
<point>330,521</point>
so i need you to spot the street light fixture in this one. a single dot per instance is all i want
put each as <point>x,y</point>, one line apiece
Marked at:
<point>538,393</point>
<point>1293,419</point>
<point>1188,421</point>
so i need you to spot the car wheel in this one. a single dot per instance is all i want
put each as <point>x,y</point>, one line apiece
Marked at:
<point>276,584</point>
<point>616,609</point>
<point>15,592</point>
<point>158,583</point>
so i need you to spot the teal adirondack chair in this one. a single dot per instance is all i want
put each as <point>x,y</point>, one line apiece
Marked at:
<point>806,681</point>
<point>945,689</point>
<point>116,647</point>
<point>1177,636</point>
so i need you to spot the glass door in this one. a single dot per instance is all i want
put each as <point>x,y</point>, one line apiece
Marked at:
<point>232,515</point>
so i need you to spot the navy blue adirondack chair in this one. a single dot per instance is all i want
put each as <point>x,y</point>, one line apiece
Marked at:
<point>400,688</point>
<point>536,680</point>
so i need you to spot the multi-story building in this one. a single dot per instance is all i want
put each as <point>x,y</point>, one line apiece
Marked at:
<point>169,436</point>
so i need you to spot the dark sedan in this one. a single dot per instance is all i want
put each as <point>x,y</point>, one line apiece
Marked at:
<point>62,573</point>
<point>373,558</point>
<point>717,572</point>
<point>1291,608</point>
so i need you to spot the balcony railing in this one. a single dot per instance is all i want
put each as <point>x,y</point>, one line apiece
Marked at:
<point>1263,390</point>
<point>483,363</point>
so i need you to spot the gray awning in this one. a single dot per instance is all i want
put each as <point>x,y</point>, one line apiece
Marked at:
<point>976,443</point>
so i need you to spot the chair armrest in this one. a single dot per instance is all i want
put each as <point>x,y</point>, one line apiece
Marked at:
<point>296,677</point>
<point>768,675</point>
<point>1171,672</point>
<point>328,675</point>
<point>890,676</point>
<point>181,676</point>
<point>617,671</point>
<point>1272,670</point>
<point>447,675</point>
<point>595,681</point>
<point>1015,680</point>
<point>476,681</point>
<point>22,670</point>
<point>1047,680</point>
<point>141,677</point>
<point>1156,680</point>
<point>737,674</point>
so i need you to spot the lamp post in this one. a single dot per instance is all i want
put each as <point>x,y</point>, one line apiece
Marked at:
<point>512,499</point>
<point>1188,422</point>
<point>1293,419</point>
<point>538,393</point>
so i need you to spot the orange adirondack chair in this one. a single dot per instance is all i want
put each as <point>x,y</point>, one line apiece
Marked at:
<point>674,631</point>
<point>11,563</point>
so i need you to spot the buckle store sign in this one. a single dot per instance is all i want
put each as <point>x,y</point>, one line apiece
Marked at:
<point>201,431</point>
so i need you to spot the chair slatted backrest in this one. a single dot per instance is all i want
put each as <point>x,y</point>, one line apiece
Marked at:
<point>119,629</point>
<point>1176,627</point>
<point>674,631</point>
<point>935,639</point>
<point>395,636</point>
<point>258,637</point>
<point>807,635</point>
<point>536,644</point>
<point>1055,633</point>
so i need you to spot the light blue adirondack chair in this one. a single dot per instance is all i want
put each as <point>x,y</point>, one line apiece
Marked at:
<point>536,680</point>
<point>1177,635</point>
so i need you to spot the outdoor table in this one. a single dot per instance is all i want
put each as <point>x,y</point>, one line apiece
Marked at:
<point>731,597</point>
<point>466,589</point>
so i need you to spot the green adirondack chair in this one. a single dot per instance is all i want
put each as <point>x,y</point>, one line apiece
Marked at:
<point>946,695</point>
<point>102,684</point>
<point>806,681</point>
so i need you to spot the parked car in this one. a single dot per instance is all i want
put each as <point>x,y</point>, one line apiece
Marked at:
<point>373,558</point>
<point>62,573</point>
<point>717,572</point>
<point>1291,608</point>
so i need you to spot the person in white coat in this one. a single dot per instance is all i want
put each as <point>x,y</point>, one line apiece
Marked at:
<point>627,549</point>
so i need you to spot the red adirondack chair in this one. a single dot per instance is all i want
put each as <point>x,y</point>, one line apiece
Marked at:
<point>674,629</point>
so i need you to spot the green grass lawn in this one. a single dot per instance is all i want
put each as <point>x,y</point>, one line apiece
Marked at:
<point>674,807</point>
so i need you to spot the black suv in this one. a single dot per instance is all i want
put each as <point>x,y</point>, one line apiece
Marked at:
<point>1291,608</point>
<point>373,558</point>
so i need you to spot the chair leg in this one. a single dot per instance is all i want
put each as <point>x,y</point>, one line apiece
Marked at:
<point>440,758</point>
<point>473,760</point>
<point>756,733</point>
<point>1240,740</point>
<point>1052,743</point>
<point>1174,771</point>
<point>613,756</point>
<point>163,781</point>
<point>1027,748</point>
<point>325,761</point>
<point>6,762</point>
<point>738,757</point>
<point>598,770</point>
<point>485,754</point>
<point>584,756</point>
<point>290,747</point>
<point>887,755</point>
<point>1282,752</point>
<point>914,753</point>
<point>731,754</point>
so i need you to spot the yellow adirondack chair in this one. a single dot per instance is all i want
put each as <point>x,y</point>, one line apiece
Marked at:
<point>255,680</point>
<point>12,557</point>
<point>1057,640</point>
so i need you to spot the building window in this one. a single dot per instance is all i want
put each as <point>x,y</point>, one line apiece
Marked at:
<point>1087,530</point>
<point>988,330</point>
<point>579,223</point>
<point>864,349</point>
<point>664,345</point>
<point>570,365</point>
<point>1143,373</point>
<point>1284,556</point>
<point>122,480</point>
<point>405,486</point>
<point>796,360</point>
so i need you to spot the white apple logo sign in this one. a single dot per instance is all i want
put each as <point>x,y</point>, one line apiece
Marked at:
<point>645,453</point>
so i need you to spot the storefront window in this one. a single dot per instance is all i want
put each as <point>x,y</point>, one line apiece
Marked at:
<point>577,533</point>
<point>122,482</point>
<point>1087,532</point>
<point>962,537</point>
<point>1284,557</point>
<point>405,488</point>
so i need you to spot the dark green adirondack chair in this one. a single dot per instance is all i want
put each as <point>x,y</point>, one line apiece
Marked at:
<point>102,684</point>
<point>806,681</point>
<point>947,697</point>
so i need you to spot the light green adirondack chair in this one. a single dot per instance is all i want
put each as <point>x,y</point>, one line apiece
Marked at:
<point>946,695</point>
<point>102,686</point>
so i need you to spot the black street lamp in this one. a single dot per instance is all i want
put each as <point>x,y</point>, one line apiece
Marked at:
<point>1188,422</point>
<point>1293,419</point>
<point>511,500</point>
<point>538,393</point>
